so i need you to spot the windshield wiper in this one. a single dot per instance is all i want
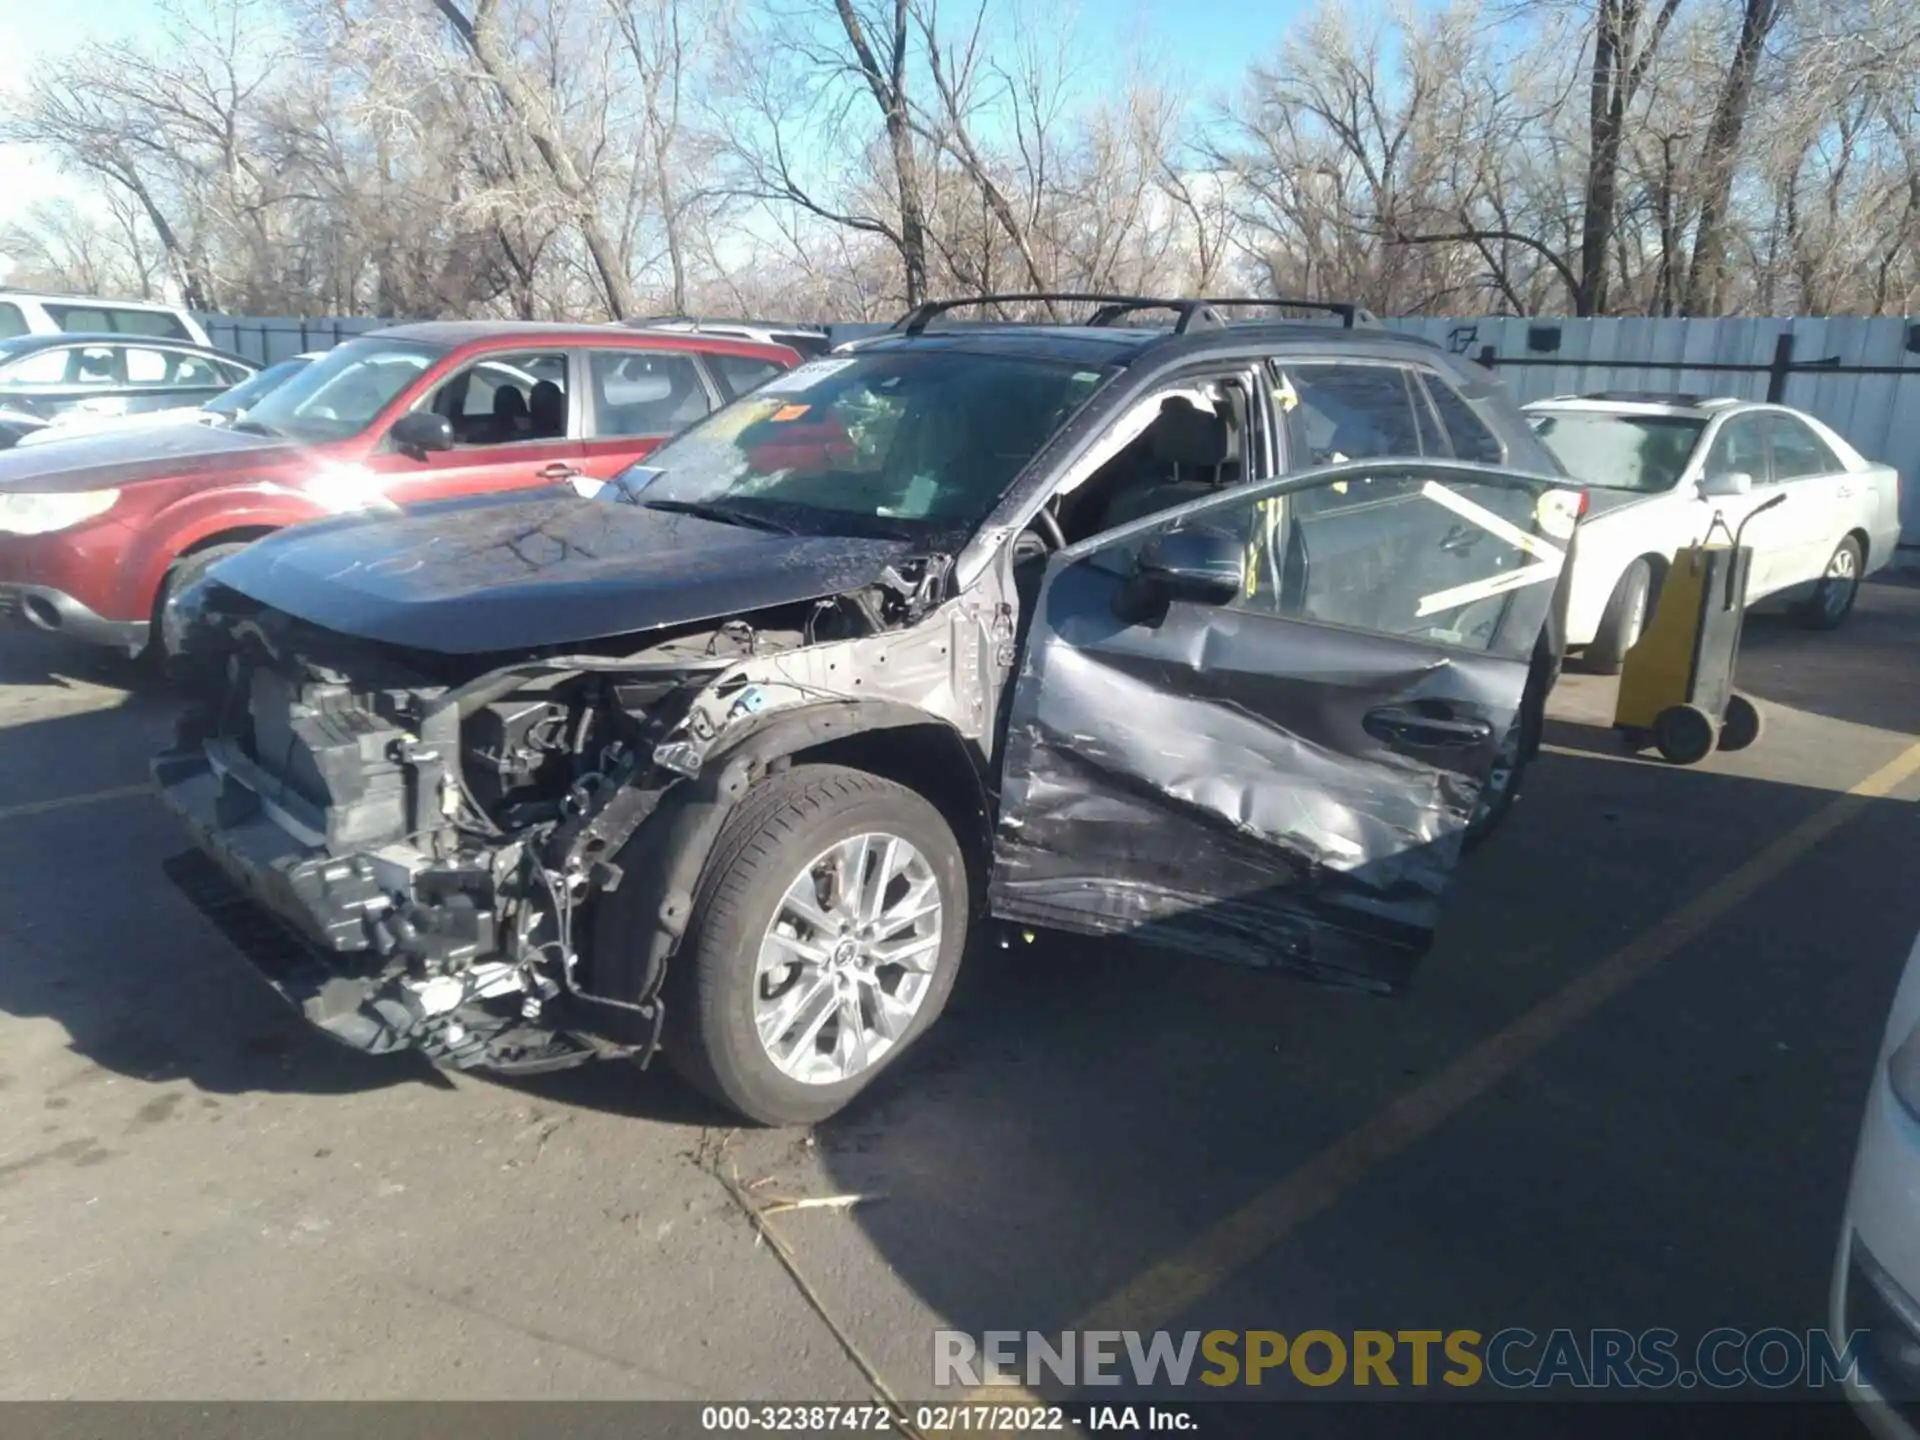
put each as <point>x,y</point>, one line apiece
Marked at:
<point>254,427</point>
<point>726,515</point>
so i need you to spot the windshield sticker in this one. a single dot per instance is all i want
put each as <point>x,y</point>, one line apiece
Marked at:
<point>788,412</point>
<point>1284,395</point>
<point>804,377</point>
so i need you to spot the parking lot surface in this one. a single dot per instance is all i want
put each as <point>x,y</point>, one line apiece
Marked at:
<point>1623,1092</point>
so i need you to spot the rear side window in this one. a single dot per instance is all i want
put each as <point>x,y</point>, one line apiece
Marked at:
<point>1472,440</point>
<point>637,392</point>
<point>12,322</point>
<point>1797,451</point>
<point>169,367</point>
<point>76,319</point>
<point>98,319</point>
<point>1336,413</point>
<point>157,323</point>
<point>741,373</point>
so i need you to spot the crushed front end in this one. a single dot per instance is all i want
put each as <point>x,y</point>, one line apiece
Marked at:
<point>411,846</point>
<point>400,835</point>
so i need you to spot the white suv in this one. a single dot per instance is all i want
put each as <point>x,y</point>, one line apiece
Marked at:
<point>25,314</point>
<point>1663,468</point>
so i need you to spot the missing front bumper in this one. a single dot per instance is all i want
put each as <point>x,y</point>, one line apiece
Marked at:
<point>256,884</point>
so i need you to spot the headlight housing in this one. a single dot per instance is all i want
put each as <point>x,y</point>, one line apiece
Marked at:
<point>41,514</point>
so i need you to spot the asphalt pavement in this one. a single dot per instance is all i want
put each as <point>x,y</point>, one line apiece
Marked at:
<point>1622,1093</point>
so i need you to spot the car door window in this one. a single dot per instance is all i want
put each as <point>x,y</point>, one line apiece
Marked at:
<point>1346,412</point>
<point>94,365</point>
<point>185,371</point>
<point>641,392</point>
<point>1472,440</point>
<point>12,322</point>
<point>77,319</point>
<point>506,399</point>
<point>1435,557</point>
<point>156,323</point>
<point>1739,449</point>
<point>42,367</point>
<point>741,373</point>
<point>148,367</point>
<point>1797,451</point>
<point>1184,443</point>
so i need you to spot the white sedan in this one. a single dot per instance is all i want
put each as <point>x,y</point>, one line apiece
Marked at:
<point>1663,468</point>
<point>225,408</point>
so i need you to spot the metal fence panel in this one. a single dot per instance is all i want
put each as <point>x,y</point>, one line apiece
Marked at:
<point>266,340</point>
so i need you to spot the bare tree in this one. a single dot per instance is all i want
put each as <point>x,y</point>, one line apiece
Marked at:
<point>529,102</point>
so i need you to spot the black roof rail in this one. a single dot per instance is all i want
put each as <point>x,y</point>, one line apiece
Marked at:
<point>1192,313</point>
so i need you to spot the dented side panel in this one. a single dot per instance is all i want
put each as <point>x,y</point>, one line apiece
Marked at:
<point>940,668</point>
<point>1208,783</point>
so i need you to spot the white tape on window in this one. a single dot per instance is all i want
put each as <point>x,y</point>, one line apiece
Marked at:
<point>1548,558</point>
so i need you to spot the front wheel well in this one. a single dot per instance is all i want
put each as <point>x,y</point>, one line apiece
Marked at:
<point>1859,537</point>
<point>934,762</point>
<point>243,535</point>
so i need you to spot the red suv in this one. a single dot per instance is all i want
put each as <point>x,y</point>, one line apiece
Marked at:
<point>96,529</point>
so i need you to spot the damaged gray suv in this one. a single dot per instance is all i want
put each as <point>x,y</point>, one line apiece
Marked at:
<point>1216,635</point>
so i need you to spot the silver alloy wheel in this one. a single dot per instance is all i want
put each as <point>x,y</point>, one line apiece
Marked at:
<point>1837,585</point>
<point>847,959</point>
<point>1636,619</point>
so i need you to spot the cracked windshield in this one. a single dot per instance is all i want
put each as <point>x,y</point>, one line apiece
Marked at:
<point>884,445</point>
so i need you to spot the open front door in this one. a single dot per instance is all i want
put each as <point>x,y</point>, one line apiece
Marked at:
<point>1255,727</point>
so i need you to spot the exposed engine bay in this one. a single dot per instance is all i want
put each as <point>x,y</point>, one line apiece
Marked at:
<point>432,834</point>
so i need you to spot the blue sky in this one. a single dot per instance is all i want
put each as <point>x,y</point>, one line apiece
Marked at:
<point>1207,42</point>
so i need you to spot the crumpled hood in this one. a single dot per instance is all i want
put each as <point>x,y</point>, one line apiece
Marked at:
<point>103,459</point>
<point>540,568</point>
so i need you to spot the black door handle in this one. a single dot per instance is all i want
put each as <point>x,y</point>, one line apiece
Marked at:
<point>559,470</point>
<point>1397,725</point>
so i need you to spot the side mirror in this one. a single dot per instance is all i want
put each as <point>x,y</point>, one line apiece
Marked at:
<point>1733,482</point>
<point>420,432</point>
<point>1205,567</point>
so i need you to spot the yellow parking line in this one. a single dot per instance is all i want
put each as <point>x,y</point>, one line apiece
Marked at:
<point>67,802</point>
<point>1154,1299</point>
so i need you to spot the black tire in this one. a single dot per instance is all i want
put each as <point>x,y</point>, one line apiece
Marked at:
<point>182,573</point>
<point>1832,599</point>
<point>778,829</point>
<point>1623,620</point>
<point>1740,723</point>
<point>1684,734</point>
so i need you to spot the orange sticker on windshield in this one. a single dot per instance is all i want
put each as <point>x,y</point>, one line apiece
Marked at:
<point>789,412</point>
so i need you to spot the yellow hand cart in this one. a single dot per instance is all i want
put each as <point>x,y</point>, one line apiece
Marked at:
<point>1676,685</point>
